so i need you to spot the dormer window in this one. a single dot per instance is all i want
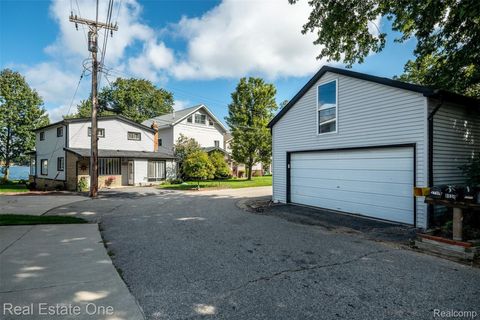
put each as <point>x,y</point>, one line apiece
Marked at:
<point>210,121</point>
<point>216,143</point>
<point>200,118</point>
<point>189,119</point>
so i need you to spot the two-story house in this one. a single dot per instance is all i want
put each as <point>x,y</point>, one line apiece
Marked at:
<point>128,154</point>
<point>197,122</point>
<point>201,124</point>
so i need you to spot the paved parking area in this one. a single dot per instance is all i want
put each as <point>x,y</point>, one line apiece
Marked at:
<point>196,254</point>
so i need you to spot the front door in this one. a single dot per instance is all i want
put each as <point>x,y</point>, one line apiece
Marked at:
<point>130,173</point>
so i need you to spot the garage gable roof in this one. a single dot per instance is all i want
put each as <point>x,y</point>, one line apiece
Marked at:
<point>426,91</point>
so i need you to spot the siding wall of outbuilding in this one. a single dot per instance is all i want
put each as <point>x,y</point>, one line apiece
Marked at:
<point>456,139</point>
<point>369,114</point>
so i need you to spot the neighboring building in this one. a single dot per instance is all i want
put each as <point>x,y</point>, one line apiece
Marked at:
<point>358,143</point>
<point>239,169</point>
<point>128,154</point>
<point>197,122</point>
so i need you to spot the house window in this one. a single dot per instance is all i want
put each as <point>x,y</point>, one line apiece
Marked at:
<point>42,136</point>
<point>216,143</point>
<point>189,119</point>
<point>200,118</point>
<point>137,136</point>
<point>100,132</point>
<point>327,107</point>
<point>60,132</point>
<point>156,170</point>
<point>109,166</point>
<point>44,167</point>
<point>210,121</point>
<point>60,163</point>
<point>160,142</point>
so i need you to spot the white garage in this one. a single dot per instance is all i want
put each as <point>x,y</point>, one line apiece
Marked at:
<point>376,182</point>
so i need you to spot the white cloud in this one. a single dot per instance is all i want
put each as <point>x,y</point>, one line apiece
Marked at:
<point>52,83</point>
<point>71,41</point>
<point>56,114</point>
<point>149,63</point>
<point>181,104</point>
<point>237,38</point>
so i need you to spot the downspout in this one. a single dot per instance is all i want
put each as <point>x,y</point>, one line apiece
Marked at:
<point>431,180</point>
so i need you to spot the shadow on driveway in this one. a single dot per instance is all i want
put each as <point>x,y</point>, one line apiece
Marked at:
<point>335,221</point>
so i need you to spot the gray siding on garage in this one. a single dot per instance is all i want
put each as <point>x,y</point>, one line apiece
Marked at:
<point>369,114</point>
<point>456,136</point>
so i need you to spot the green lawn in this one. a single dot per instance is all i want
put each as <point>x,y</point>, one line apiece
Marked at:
<point>20,219</point>
<point>13,186</point>
<point>221,184</point>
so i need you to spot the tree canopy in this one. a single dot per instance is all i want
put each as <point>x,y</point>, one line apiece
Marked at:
<point>137,99</point>
<point>447,33</point>
<point>253,103</point>
<point>20,113</point>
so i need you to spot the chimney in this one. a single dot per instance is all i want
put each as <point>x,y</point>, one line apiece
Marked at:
<point>155,136</point>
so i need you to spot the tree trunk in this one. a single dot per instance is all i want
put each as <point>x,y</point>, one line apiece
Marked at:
<point>6,170</point>
<point>250,165</point>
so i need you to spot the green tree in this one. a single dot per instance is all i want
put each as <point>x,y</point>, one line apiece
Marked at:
<point>221,167</point>
<point>197,165</point>
<point>20,113</point>
<point>184,147</point>
<point>447,32</point>
<point>137,99</point>
<point>253,103</point>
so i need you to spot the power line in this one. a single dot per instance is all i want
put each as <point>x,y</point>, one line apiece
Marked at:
<point>176,90</point>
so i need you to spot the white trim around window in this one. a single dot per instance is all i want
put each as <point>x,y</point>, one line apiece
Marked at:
<point>134,135</point>
<point>325,108</point>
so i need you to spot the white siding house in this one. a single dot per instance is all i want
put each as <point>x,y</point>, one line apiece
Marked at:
<point>127,152</point>
<point>356,143</point>
<point>197,122</point>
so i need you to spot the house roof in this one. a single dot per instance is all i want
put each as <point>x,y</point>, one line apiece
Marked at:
<point>112,117</point>
<point>173,118</point>
<point>105,153</point>
<point>426,91</point>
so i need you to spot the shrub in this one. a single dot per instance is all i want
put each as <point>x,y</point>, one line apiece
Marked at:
<point>82,184</point>
<point>221,167</point>
<point>197,166</point>
<point>176,181</point>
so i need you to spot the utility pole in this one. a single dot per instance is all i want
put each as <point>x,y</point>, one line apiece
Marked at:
<point>94,27</point>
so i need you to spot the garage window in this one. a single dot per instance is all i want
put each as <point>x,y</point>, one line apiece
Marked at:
<point>327,107</point>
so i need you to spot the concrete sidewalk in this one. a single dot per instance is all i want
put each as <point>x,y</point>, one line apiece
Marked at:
<point>60,272</point>
<point>35,204</point>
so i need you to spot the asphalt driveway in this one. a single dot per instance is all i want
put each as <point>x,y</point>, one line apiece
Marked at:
<point>196,254</point>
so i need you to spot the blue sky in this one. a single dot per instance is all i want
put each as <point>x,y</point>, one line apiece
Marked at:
<point>197,49</point>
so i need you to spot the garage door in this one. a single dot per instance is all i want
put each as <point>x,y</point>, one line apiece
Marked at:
<point>372,182</point>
